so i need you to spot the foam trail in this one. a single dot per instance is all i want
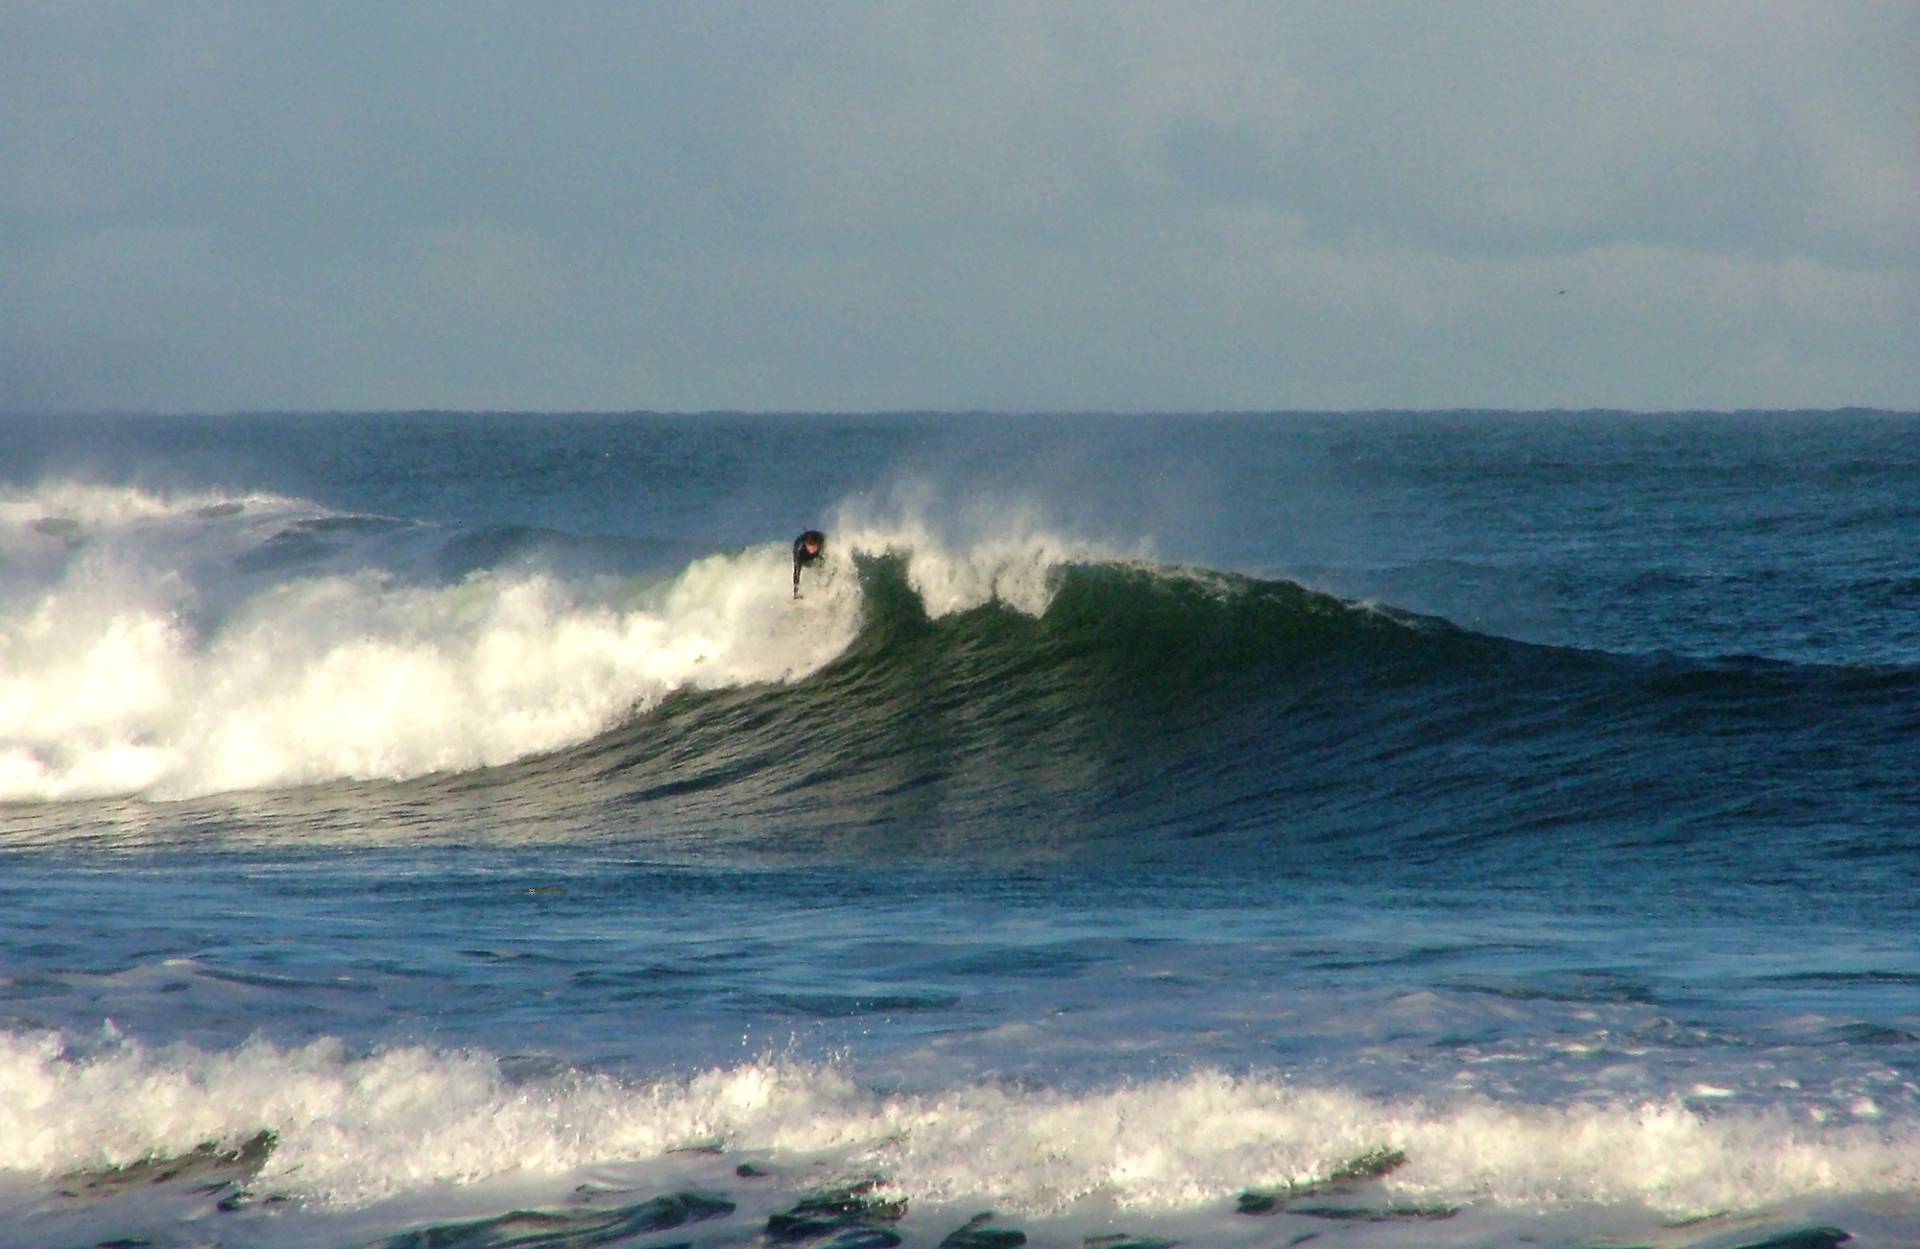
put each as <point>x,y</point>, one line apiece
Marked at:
<point>146,647</point>
<point>352,1130</point>
<point>156,645</point>
<point>135,659</point>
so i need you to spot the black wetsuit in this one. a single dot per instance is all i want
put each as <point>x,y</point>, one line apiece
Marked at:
<point>802,557</point>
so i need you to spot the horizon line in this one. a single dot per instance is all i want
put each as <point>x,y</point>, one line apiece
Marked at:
<point>926,413</point>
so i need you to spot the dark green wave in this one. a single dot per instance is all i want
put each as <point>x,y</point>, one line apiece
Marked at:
<point>1151,711</point>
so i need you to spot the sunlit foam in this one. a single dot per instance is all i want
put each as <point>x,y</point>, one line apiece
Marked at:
<point>355,1129</point>
<point>137,657</point>
<point>115,678</point>
<point>981,553</point>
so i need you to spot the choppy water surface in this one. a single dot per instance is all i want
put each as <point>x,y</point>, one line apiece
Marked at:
<point>1398,830</point>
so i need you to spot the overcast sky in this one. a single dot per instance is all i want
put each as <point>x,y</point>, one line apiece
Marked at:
<point>1025,206</point>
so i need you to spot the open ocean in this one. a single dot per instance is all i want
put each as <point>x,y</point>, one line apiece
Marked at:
<point>1466,829</point>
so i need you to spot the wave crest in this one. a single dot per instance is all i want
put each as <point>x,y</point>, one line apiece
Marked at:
<point>176,646</point>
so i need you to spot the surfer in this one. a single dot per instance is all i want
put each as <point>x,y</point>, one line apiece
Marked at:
<point>806,549</point>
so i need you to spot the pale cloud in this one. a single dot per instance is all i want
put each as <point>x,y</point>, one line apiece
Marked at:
<point>212,206</point>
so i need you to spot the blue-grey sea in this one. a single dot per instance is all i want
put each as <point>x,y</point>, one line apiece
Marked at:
<point>1423,829</point>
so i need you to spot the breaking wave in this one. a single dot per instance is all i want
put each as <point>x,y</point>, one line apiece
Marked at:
<point>174,646</point>
<point>353,1129</point>
<point>1037,687</point>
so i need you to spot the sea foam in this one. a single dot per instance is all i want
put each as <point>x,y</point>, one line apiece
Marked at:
<point>354,1129</point>
<point>156,645</point>
<point>984,553</point>
<point>146,660</point>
